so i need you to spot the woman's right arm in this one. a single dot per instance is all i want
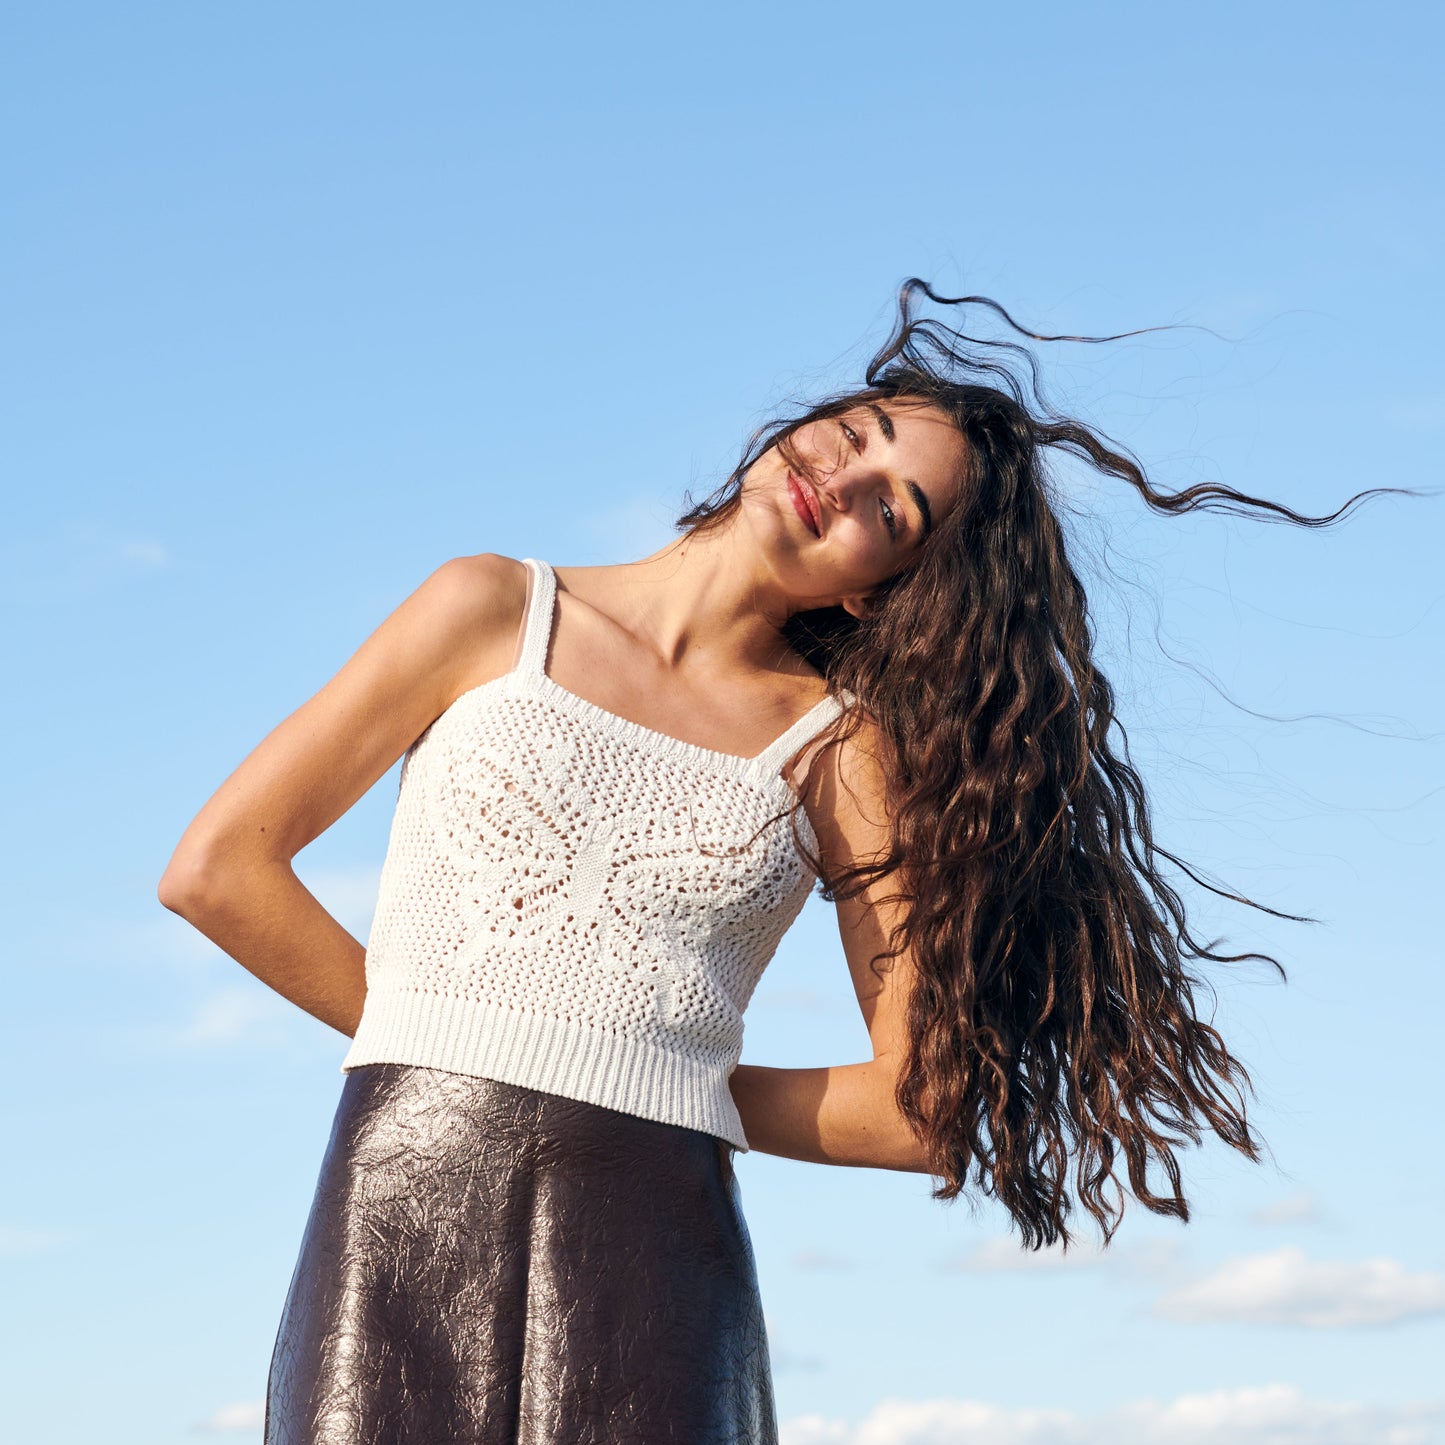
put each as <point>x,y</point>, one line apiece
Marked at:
<point>231,874</point>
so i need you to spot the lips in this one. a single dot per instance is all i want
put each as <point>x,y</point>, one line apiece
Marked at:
<point>805,503</point>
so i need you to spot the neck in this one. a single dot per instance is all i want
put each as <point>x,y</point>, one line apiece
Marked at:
<point>705,600</point>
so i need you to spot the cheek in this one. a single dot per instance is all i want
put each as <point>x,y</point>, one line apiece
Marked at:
<point>869,553</point>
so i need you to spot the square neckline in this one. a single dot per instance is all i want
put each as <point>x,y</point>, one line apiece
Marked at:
<point>538,626</point>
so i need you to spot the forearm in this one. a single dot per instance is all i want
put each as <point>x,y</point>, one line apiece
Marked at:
<point>844,1114</point>
<point>275,928</point>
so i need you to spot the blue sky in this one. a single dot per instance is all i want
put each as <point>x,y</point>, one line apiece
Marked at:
<point>303,300</point>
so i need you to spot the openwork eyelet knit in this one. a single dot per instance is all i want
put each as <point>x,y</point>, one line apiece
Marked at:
<point>577,903</point>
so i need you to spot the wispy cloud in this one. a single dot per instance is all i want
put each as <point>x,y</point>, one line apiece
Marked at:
<point>18,1241</point>
<point>818,1259</point>
<point>239,1013</point>
<point>781,1356</point>
<point>245,1014</point>
<point>1293,1209</point>
<point>1423,414</point>
<point>78,560</point>
<point>1256,1415</point>
<point>1285,1287</point>
<point>1004,1255</point>
<point>348,894</point>
<point>144,551</point>
<point>787,1361</point>
<point>1148,1258</point>
<point>634,526</point>
<point>232,1007</point>
<point>249,1416</point>
<point>165,941</point>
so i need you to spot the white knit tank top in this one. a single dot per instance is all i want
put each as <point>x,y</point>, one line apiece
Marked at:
<point>574,902</point>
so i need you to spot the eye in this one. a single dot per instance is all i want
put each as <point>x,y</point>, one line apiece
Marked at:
<point>851,435</point>
<point>889,518</point>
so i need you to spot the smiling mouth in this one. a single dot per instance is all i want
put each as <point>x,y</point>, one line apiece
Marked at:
<point>805,503</point>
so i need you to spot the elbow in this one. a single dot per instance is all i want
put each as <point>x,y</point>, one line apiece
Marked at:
<point>194,883</point>
<point>911,1151</point>
<point>907,1150</point>
<point>893,1144</point>
<point>896,1150</point>
<point>922,1160</point>
<point>183,884</point>
<point>911,1156</point>
<point>174,890</point>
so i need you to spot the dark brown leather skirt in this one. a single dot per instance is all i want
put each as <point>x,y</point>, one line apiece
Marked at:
<point>486,1263</point>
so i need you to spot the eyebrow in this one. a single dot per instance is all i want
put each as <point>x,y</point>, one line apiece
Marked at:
<point>885,425</point>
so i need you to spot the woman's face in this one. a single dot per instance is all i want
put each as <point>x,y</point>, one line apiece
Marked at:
<point>871,484</point>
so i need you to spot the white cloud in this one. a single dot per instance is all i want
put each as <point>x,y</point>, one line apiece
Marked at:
<point>1293,1209</point>
<point>1257,1415</point>
<point>249,1416</point>
<point>1284,1287</point>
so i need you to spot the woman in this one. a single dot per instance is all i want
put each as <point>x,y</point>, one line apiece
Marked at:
<point>866,661</point>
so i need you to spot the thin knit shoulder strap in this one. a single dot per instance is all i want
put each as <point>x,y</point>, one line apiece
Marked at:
<point>537,629</point>
<point>803,731</point>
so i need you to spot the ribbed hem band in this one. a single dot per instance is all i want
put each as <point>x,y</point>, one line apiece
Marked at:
<point>533,1051</point>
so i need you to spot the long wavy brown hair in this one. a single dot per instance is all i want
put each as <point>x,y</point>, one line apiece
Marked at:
<point>1054,1033</point>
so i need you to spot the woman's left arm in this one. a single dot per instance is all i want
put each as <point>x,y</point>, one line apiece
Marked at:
<point>845,1114</point>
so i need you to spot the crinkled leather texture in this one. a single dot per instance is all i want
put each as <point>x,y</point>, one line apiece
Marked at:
<point>488,1263</point>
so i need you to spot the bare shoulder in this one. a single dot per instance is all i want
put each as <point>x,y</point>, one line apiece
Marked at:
<point>479,586</point>
<point>476,603</point>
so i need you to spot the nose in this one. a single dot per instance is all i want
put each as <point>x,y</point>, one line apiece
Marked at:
<point>842,487</point>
